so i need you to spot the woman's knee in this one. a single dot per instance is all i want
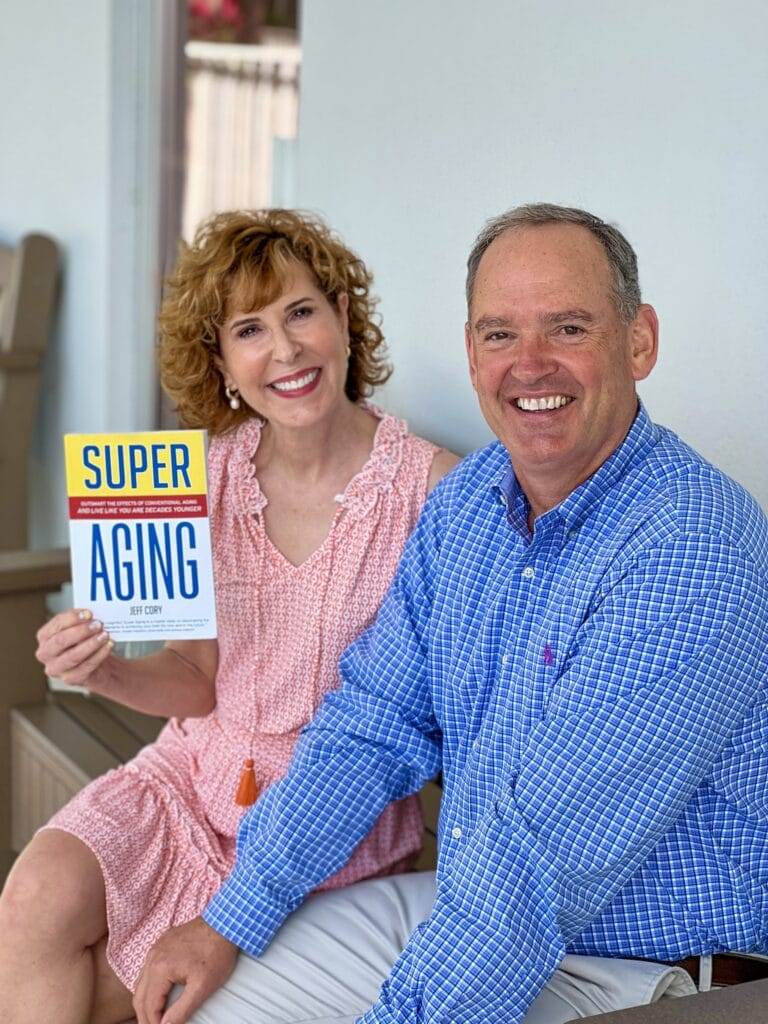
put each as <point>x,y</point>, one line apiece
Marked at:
<point>55,890</point>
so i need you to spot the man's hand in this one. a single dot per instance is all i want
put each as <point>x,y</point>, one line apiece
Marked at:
<point>192,955</point>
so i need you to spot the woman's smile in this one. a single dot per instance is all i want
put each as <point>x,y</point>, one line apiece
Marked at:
<point>296,385</point>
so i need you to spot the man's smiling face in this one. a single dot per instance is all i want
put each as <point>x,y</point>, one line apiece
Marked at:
<point>553,364</point>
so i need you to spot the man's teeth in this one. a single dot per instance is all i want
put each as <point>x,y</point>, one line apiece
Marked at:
<point>297,383</point>
<point>536,404</point>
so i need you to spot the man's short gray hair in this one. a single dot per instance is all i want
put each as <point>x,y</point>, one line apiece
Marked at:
<point>619,253</point>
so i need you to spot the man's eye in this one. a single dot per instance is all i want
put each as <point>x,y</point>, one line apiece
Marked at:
<point>496,337</point>
<point>570,330</point>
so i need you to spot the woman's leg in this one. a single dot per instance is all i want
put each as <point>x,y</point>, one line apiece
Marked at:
<point>52,914</point>
<point>112,1001</point>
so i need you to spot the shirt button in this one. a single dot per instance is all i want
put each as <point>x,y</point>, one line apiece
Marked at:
<point>476,744</point>
<point>528,572</point>
<point>456,832</point>
<point>505,659</point>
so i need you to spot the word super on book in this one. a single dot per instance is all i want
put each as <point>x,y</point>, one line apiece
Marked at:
<point>139,533</point>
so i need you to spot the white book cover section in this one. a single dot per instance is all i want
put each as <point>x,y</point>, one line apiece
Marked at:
<point>139,533</point>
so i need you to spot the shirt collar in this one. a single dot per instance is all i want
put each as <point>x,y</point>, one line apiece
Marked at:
<point>510,494</point>
<point>642,435</point>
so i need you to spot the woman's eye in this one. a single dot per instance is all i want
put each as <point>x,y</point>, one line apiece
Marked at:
<point>302,312</point>
<point>249,331</point>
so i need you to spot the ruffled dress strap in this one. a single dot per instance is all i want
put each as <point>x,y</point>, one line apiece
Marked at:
<point>381,468</point>
<point>230,458</point>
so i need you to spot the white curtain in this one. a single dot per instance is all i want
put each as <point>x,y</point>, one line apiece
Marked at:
<point>239,99</point>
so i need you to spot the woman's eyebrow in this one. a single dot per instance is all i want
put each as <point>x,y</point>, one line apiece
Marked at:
<point>254,318</point>
<point>298,302</point>
<point>241,321</point>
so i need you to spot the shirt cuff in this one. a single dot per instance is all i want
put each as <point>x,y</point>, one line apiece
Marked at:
<point>242,912</point>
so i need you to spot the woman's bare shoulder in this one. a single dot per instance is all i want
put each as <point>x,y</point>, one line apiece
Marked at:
<point>443,463</point>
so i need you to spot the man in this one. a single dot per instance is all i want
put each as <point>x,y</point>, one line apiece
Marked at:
<point>578,637</point>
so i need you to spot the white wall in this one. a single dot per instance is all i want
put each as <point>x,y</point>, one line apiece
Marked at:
<point>54,96</point>
<point>75,125</point>
<point>421,120</point>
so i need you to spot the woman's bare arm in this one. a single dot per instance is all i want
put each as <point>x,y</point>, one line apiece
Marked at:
<point>176,681</point>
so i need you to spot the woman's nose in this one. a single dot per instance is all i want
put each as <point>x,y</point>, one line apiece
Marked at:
<point>285,348</point>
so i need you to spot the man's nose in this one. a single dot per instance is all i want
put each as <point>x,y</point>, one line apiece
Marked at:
<point>534,358</point>
<point>285,347</point>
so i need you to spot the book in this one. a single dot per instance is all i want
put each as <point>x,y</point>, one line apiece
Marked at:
<point>139,533</point>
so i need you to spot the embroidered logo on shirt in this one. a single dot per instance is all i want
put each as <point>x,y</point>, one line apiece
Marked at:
<point>549,655</point>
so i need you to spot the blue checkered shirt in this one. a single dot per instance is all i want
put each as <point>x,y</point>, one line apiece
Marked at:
<point>595,695</point>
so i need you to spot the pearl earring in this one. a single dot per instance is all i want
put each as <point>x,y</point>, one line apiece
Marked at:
<point>348,351</point>
<point>233,397</point>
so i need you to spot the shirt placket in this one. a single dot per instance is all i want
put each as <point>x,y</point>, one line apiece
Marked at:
<point>497,747</point>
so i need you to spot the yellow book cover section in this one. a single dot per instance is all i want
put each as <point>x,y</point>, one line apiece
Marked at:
<point>139,533</point>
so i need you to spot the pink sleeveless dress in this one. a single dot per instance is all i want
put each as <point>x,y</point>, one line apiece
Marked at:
<point>163,826</point>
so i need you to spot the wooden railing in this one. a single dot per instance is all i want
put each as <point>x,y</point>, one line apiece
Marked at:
<point>28,284</point>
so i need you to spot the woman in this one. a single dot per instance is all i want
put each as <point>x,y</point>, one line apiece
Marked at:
<point>268,340</point>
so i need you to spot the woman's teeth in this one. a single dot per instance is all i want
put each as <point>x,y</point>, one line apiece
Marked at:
<point>536,404</point>
<point>296,383</point>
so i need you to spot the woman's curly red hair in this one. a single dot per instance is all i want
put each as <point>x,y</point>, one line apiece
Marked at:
<point>250,254</point>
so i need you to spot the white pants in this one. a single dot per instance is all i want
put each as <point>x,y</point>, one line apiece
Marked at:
<point>327,962</point>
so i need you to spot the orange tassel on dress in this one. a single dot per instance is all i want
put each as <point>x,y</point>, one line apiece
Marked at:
<point>247,790</point>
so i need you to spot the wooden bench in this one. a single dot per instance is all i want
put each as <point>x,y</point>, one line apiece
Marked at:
<point>64,741</point>
<point>739,1004</point>
<point>59,745</point>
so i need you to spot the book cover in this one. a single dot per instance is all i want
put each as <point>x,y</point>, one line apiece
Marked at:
<point>139,533</point>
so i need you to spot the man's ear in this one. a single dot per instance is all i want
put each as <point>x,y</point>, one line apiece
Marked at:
<point>644,341</point>
<point>470,354</point>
